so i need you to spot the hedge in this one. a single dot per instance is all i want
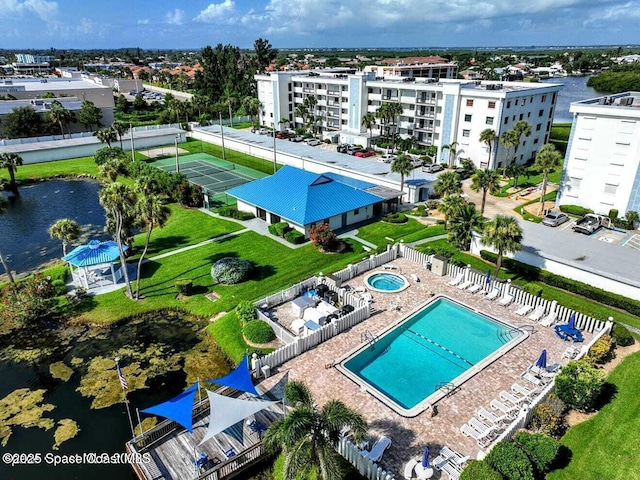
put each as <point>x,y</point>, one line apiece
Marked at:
<point>258,331</point>
<point>279,229</point>
<point>575,210</point>
<point>621,335</point>
<point>246,312</point>
<point>541,449</point>
<point>579,384</point>
<point>230,270</point>
<point>184,286</point>
<point>573,286</point>
<point>294,236</point>
<point>233,212</point>
<point>395,218</point>
<point>509,460</point>
<point>479,470</point>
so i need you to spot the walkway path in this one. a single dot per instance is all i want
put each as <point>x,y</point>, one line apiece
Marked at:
<point>196,245</point>
<point>353,234</point>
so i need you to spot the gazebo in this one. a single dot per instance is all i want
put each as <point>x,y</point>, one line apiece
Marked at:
<point>94,264</point>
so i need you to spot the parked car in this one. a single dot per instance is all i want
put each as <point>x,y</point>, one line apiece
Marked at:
<point>364,153</point>
<point>282,135</point>
<point>463,173</point>
<point>432,168</point>
<point>553,219</point>
<point>388,158</point>
<point>416,162</point>
<point>312,142</point>
<point>588,224</point>
<point>263,131</point>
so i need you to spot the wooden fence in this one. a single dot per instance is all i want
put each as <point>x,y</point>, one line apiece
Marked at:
<point>365,466</point>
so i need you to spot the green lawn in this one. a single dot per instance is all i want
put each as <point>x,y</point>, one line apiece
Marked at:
<point>535,178</point>
<point>608,445</point>
<point>75,166</point>
<point>193,145</point>
<point>411,231</point>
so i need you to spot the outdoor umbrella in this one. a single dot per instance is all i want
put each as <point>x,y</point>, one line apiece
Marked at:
<point>542,360</point>
<point>488,280</point>
<point>425,458</point>
<point>572,322</point>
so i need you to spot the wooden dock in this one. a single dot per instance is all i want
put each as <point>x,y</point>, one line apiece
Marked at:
<point>173,450</point>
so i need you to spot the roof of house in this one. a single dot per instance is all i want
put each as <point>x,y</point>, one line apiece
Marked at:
<point>303,197</point>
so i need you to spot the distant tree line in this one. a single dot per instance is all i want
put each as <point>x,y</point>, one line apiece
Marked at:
<point>621,78</point>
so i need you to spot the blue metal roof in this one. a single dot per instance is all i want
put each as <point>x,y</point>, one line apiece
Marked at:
<point>94,253</point>
<point>303,197</point>
<point>352,182</point>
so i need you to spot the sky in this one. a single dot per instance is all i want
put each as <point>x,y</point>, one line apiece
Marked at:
<point>193,24</point>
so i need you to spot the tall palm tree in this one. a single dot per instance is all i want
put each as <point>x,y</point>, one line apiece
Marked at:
<point>60,115</point>
<point>11,161</point>
<point>382,114</point>
<point>488,137</point>
<point>509,140</point>
<point>302,111</point>
<point>402,165</point>
<point>368,122</point>
<point>7,270</point>
<point>309,435</point>
<point>394,110</point>
<point>516,171</point>
<point>485,180</point>
<point>521,128</point>
<point>447,184</point>
<point>120,129</point>
<point>151,211</point>
<point>230,97</point>
<point>251,107</point>
<point>118,199</point>
<point>453,152</point>
<point>106,135</point>
<point>112,168</point>
<point>504,234</point>
<point>66,230</point>
<point>547,160</point>
<point>466,220</point>
<point>450,206</point>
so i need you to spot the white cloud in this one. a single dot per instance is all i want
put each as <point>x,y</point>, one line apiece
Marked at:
<point>175,18</point>
<point>46,10</point>
<point>86,26</point>
<point>216,11</point>
<point>143,21</point>
<point>626,11</point>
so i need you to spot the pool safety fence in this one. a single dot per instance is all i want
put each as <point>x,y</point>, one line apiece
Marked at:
<point>282,333</point>
<point>365,466</point>
<point>524,417</point>
<point>287,295</point>
<point>374,261</point>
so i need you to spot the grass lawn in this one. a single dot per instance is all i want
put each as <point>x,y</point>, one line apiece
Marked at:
<point>409,232</point>
<point>535,178</point>
<point>75,166</point>
<point>193,145</point>
<point>520,210</point>
<point>607,446</point>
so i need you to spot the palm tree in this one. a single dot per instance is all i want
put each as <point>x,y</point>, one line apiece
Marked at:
<point>118,199</point>
<point>547,160</point>
<point>112,168</point>
<point>151,211</point>
<point>485,180</point>
<point>7,270</point>
<point>60,115</point>
<point>302,111</point>
<point>509,140</point>
<point>11,161</point>
<point>516,171</point>
<point>448,184</point>
<point>368,122</point>
<point>488,137</point>
<point>106,135</point>
<point>230,97</point>
<point>251,107</point>
<point>66,230</point>
<point>394,110</point>
<point>450,206</point>
<point>309,435</point>
<point>382,114</point>
<point>120,129</point>
<point>465,221</point>
<point>504,234</point>
<point>521,128</point>
<point>402,165</point>
<point>453,152</point>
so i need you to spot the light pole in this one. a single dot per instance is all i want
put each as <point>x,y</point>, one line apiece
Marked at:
<point>133,154</point>
<point>222,137</point>
<point>177,163</point>
<point>275,129</point>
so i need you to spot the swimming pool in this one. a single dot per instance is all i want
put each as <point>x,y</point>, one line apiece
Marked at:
<point>386,282</point>
<point>441,343</point>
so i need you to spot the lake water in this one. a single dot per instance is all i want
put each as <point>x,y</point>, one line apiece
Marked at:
<point>574,89</point>
<point>23,228</point>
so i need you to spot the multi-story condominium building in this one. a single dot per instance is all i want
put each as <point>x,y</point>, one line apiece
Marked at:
<point>602,165</point>
<point>29,58</point>
<point>436,111</point>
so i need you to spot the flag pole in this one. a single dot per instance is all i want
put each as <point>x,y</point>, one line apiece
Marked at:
<point>139,421</point>
<point>125,387</point>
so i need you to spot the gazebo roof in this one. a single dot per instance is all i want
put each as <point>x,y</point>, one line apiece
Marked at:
<point>94,253</point>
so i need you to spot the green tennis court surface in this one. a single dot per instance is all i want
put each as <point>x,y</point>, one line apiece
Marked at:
<point>214,175</point>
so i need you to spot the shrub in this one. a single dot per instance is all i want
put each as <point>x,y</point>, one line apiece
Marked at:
<point>33,300</point>
<point>294,236</point>
<point>578,384</point>
<point>541,449</point>
<point>510,461</point>
<point>227,211</point>
<point>231,270</point>
<point>548,417</point>
<point>575,210</point>
<point>432,204</point>
<point>323,237</point>
<point>240,215</point>
<point>613,213</point>
<point>103,155</point>
<point>533,289</point>
<point>479,470</point>
<point>395,218</point>
<point>246,311</point>
<point>601,349</point>
<point>59,287</point>
<point>621,335</point>
<point>278,229</point>
<point>258,332</point>
<point>184,286</point>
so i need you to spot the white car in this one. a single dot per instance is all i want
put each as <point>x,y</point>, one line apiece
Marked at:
<point>388,158</point>
<point>312,142</point>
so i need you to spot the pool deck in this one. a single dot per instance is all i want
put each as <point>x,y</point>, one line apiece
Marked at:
<point>410,435</point>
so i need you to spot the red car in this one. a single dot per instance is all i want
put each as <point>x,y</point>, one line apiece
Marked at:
<point>282,135</point>
<point>364,153</point>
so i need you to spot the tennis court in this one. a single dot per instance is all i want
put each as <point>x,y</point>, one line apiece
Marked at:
<point>214,175</point>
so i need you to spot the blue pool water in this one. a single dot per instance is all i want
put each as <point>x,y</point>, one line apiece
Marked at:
<point>388,282</point>
<point>435,345</point>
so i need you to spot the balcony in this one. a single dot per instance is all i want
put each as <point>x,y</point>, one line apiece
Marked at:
<point>391,98</point>
<point>425,100</point>
<point>309,90</point>
<point>424,114</point>
<point>331,103</point>
<point>333,113</point>
<point>335,93</point>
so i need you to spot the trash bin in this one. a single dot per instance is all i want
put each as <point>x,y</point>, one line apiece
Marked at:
<point>266,371</point>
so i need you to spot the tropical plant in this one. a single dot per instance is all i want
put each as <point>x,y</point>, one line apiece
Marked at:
<point>488,137</point>
<point>394,110</point>
<point>120,129</point>
<point>541,449</point>
<point>230,97</point>
<point>118,200</point>
<point>89,115</point>
<point>511,461</point>
<point>112,168</point>
<point>151,212</point>
<point>464,221</point>
<point>504,234</point>
<point>453,152</point>
<point>309,435</point>
<point>402,165</point>
<point>382,114</point>
<point>509,140</point>
<point>11,161</point>
<point>448,184</point>
<point>479,470</point>
<point>7,270</point>
<point>450,206</point>
<point>66,230</point>
<point>323,237</point>
<point>106,135</point>
<point>368,122</point>
<point>547,160</point>
<point>251,106</point>
<point>485,181</point>
<point>60,115</point>
<point>521,128</point>
<point>578,384</point>
<point>515,171</point>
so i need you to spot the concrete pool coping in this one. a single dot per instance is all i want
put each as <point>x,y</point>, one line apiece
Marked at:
<point>386,272</point>
<point>440,393</point>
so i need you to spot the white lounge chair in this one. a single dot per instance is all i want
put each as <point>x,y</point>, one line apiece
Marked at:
<point>506,300</point>
<point>378,449</point>
<point>543,373</point>
<point>452,472</point>
<point>415,278</point>
<point>549,319</point>
<point>480,426</point>
<point>456,280</point>
<point>475,288</point>
<point>464,285</point>
<point>534,380</point>
<point>522,390</point>
<point>523,310</point>
<point>409,467</point>
<point>537,314</point>
<point>488,416</point>
<point>511,398</point>
<point>570,352</point>
<point>493,294</point>
<point>367,297</point>
<point>510,411</point>
<point>449,456</point>
<point>483,438</point>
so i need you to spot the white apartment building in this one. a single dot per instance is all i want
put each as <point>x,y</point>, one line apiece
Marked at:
<point>436,111</point>
<point>602,165</point>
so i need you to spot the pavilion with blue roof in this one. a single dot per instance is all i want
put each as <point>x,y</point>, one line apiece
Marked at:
<point>304,199</point>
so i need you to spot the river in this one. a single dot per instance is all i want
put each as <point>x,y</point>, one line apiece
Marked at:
<point>574,89</point>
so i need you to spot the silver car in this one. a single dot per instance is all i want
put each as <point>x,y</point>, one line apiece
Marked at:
<point>553,219</point>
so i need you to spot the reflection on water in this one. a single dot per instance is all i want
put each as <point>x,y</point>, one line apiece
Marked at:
<point>23,228</point>
<point>574,89</point>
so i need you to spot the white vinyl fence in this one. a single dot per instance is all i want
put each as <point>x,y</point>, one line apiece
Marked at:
<point>365,466</point>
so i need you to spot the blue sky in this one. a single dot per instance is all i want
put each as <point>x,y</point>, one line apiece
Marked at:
<point>316,23</point>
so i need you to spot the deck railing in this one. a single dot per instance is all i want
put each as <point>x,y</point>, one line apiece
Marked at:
<point>365,466</point>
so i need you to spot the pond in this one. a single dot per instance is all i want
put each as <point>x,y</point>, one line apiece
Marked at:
<point>23,228</point>
<point>574,89</point>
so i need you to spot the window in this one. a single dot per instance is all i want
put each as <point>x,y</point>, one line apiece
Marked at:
<point>517,100</point>
<point>489,121</point>
<point>356,211</point>
<point>535,141</point>
<point>509,104</point>
<point>465,133</point>
<point>610,188</point>
<point>467,117</point>
<point>469,103</point>
<point>544,98</point>
<point>575,182</point>
<point>506,120</point>
<point>370,90</point>
<point>492,104</point>
<point>541,113</point>
<point>538,127</point>
<point>524,101</point>
<point>528,114</point>
<point>521,116</point>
